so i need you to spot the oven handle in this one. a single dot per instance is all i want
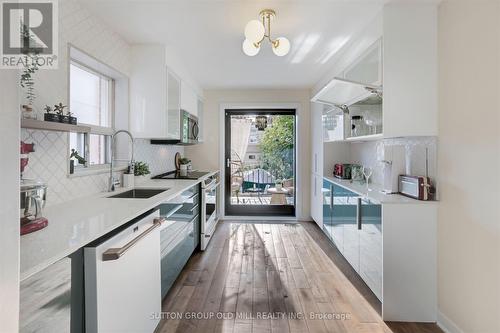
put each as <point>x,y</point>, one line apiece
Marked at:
<point>211,185</point>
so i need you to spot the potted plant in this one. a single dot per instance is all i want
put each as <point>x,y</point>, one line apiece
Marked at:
<point>50,115</point>
<point>184,166</point>
<point>279,184</point>
<point>59,109</point>
<point>141,169</point>
<point>75,156</point>
<point>72,120</point>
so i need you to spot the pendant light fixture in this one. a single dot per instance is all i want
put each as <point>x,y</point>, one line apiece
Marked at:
<point>257,31</point>
<point>261,123</point>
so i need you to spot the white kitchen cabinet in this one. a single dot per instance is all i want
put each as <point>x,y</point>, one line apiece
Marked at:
<point>157,95</point>
<point>173,105</point>
<point>200,120</point>
<point>189,99</point>
<point>403,61</point>
<point>367,68</point>
<point>317,199</point>
<point>410,70</point>
<point>317,163</point>
<point>148,86</point>
<point>317,138</point>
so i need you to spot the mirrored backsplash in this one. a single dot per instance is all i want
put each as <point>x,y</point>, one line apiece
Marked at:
<point>416,149</point>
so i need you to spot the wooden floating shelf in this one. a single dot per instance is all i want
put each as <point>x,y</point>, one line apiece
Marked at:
<point>53,126</point>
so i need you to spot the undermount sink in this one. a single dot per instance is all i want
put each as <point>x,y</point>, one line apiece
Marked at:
<point>139,193</point>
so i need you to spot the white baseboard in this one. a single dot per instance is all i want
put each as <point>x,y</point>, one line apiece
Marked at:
<point>446,324</point>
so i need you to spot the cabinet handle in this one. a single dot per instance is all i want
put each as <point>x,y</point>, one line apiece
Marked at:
<point>194,207</point>
<point>331,197</point>
<point>358,213</point>
<point>316,162</point>
<point>117,253</point>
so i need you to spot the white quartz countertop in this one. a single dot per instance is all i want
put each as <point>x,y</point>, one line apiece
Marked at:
<point>375,193</point>
<point>76,223</point>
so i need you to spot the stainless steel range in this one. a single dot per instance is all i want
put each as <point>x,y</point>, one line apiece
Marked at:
<point>210,188</point>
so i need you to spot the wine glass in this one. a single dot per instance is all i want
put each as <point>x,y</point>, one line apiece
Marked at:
<point>367,172</point>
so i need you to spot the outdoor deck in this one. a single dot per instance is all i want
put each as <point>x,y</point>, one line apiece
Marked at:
<point>264,199</point>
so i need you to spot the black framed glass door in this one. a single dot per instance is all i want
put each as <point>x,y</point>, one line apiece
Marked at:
<point>260,162</point>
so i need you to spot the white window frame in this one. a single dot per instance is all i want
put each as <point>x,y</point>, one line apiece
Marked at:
<point>97,67</point>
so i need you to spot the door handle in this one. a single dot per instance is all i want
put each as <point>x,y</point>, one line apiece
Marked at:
<point>228,163</point>
<point>117,253</point>
<point>358,213</point>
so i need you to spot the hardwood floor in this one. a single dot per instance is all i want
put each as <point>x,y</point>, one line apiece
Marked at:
<point>265,277</point>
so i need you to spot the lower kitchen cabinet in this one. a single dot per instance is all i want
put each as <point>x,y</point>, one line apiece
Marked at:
<point>176,254</point>
<point>392,246</point>
<point>354,225</point>
<point>316,199</point>
<point>180,238</point>
<point>370,249</point>
<point>326,197</point>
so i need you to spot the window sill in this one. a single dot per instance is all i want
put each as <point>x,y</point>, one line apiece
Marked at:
<point>95,170</point>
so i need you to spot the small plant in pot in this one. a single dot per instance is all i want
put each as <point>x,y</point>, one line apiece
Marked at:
<point>279,184</point>
<point>184,165</point>
<point>72,119</point>
<point>74,156</point>
<point>50,114</point>
<point>141,170</point>
<point>59,109</point>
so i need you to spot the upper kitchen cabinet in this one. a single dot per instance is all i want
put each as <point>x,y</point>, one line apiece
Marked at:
<point>148,86</point>
<point>410,70</point>
<point>157,95</point>
<point>200,119</point>
<point>389,88</point>
<point>189,99</point>
<point>173,105</point>
<point>367,68</point>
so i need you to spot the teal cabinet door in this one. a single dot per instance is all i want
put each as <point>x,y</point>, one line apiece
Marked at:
<point>327,198</point>
<point>345,229</point>
<point>371,246</point>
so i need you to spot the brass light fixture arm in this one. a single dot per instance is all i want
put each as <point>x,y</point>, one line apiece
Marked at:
<point>267,15</point>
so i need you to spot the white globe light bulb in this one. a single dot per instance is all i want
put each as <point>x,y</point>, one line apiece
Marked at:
<point>249,48</point>
<point>282,48</point>
<point>254,31</point>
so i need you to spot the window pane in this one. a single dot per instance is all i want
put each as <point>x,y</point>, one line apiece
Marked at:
<point>90,96</point>
<point>98,149</point>
<point>77,142</point>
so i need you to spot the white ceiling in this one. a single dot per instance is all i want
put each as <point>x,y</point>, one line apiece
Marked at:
<point>208,34</point>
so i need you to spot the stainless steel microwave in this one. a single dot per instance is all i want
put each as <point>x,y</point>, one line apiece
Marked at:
<point>189,131</point>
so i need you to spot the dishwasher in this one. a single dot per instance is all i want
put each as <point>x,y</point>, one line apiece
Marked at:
<point>122,278</point>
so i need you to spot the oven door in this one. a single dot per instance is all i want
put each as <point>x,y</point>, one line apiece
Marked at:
<point>210,215</point>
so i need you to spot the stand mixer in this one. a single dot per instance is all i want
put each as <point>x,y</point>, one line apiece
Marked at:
<point>33,195</point>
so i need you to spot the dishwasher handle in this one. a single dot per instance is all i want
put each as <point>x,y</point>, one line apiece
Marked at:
<point>117,253</point>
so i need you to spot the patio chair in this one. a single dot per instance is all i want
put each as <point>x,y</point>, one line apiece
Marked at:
<point>236,183</point>
<point>289,185</point>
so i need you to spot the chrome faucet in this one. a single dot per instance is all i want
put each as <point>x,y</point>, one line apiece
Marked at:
<point>112,179</point>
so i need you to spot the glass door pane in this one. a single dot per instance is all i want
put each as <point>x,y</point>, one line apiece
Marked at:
<point>260,162</point>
